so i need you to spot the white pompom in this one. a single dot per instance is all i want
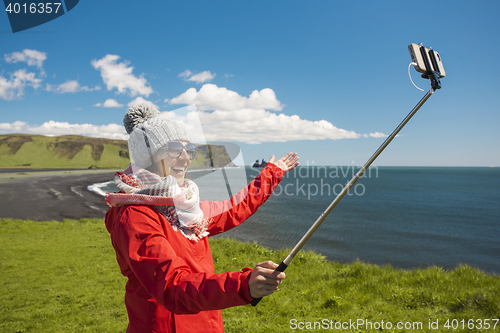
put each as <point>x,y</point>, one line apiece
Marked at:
<point>139,114</point>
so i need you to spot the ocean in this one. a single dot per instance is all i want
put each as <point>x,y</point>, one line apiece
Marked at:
<point>406,217</point>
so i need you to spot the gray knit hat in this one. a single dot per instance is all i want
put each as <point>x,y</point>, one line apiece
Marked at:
<point>149,132</point>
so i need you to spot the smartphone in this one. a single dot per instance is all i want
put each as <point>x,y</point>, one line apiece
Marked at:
<point>436,63</point>
<point>417,57</point>
<point>427,60</point>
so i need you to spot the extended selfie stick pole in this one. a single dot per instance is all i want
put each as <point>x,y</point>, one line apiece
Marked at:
<point>284,264</point>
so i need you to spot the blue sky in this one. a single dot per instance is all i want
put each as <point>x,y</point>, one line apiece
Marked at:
<point>324,78</point>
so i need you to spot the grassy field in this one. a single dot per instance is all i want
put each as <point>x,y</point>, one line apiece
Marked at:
<point>62,277</point>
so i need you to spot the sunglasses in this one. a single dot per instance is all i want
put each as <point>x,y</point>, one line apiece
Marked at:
<point>174,149</point>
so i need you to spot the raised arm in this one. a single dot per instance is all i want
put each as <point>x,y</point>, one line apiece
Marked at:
<point>228,214</point>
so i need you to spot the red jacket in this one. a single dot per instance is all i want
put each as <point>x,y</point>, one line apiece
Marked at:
<point>172,285</point>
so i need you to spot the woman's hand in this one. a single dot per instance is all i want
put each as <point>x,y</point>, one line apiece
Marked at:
<point>264,280</point>
<point>287,162</point>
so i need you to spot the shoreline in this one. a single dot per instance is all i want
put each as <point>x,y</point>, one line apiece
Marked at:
<point>52,195</point>
<point>7,174</point>
<point>8,170</point>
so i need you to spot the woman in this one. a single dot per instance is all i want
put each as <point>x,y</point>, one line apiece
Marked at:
<point>160,230</point>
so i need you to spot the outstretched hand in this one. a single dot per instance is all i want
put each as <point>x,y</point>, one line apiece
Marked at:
<point>287,162</point>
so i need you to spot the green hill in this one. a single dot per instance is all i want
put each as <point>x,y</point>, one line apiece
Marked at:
<point>58,152</point>
<point>31,151</point>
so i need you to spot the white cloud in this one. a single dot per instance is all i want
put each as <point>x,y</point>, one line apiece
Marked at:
<point>227,76</point>
<point>227,116</point>
<point>140,100</point>
<point>68,87</point>
<point>119,76</point>
<point>14,88</point>
<point>257,126</point>
<point>378,135</point>
<point>111,103</point>
<point>187,73</point>
<point>71,86</point>
<point>202,77</point>
<point>15,127</point>
<point>212,97</point>
<point>53,128</point>
<point>241,126</point>
<point>31,57</point>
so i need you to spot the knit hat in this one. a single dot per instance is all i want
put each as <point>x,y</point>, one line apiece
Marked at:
<point>149,131</point>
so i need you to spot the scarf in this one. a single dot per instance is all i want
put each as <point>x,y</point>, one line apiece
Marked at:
<point>180,206</point>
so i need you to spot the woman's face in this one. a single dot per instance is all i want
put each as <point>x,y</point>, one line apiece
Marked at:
<point>176,167</point>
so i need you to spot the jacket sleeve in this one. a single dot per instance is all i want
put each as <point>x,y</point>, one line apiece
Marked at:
<point>140,239</point>
<point>231,213</point>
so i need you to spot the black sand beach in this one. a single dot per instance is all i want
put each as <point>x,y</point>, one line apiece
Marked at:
<point>54,195</point>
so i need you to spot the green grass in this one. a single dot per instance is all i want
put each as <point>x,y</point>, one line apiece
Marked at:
<point>63,277</point>
<point>59,277</point>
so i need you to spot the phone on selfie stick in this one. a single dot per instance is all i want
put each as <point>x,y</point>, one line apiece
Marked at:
<point>428,62</point>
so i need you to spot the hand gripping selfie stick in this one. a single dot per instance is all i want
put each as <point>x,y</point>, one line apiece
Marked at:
<point>429,63</point>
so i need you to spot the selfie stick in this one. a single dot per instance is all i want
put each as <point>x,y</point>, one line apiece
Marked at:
<point>284,264</point>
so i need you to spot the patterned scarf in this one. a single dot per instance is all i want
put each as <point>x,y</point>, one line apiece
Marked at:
<point>180,206</point>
